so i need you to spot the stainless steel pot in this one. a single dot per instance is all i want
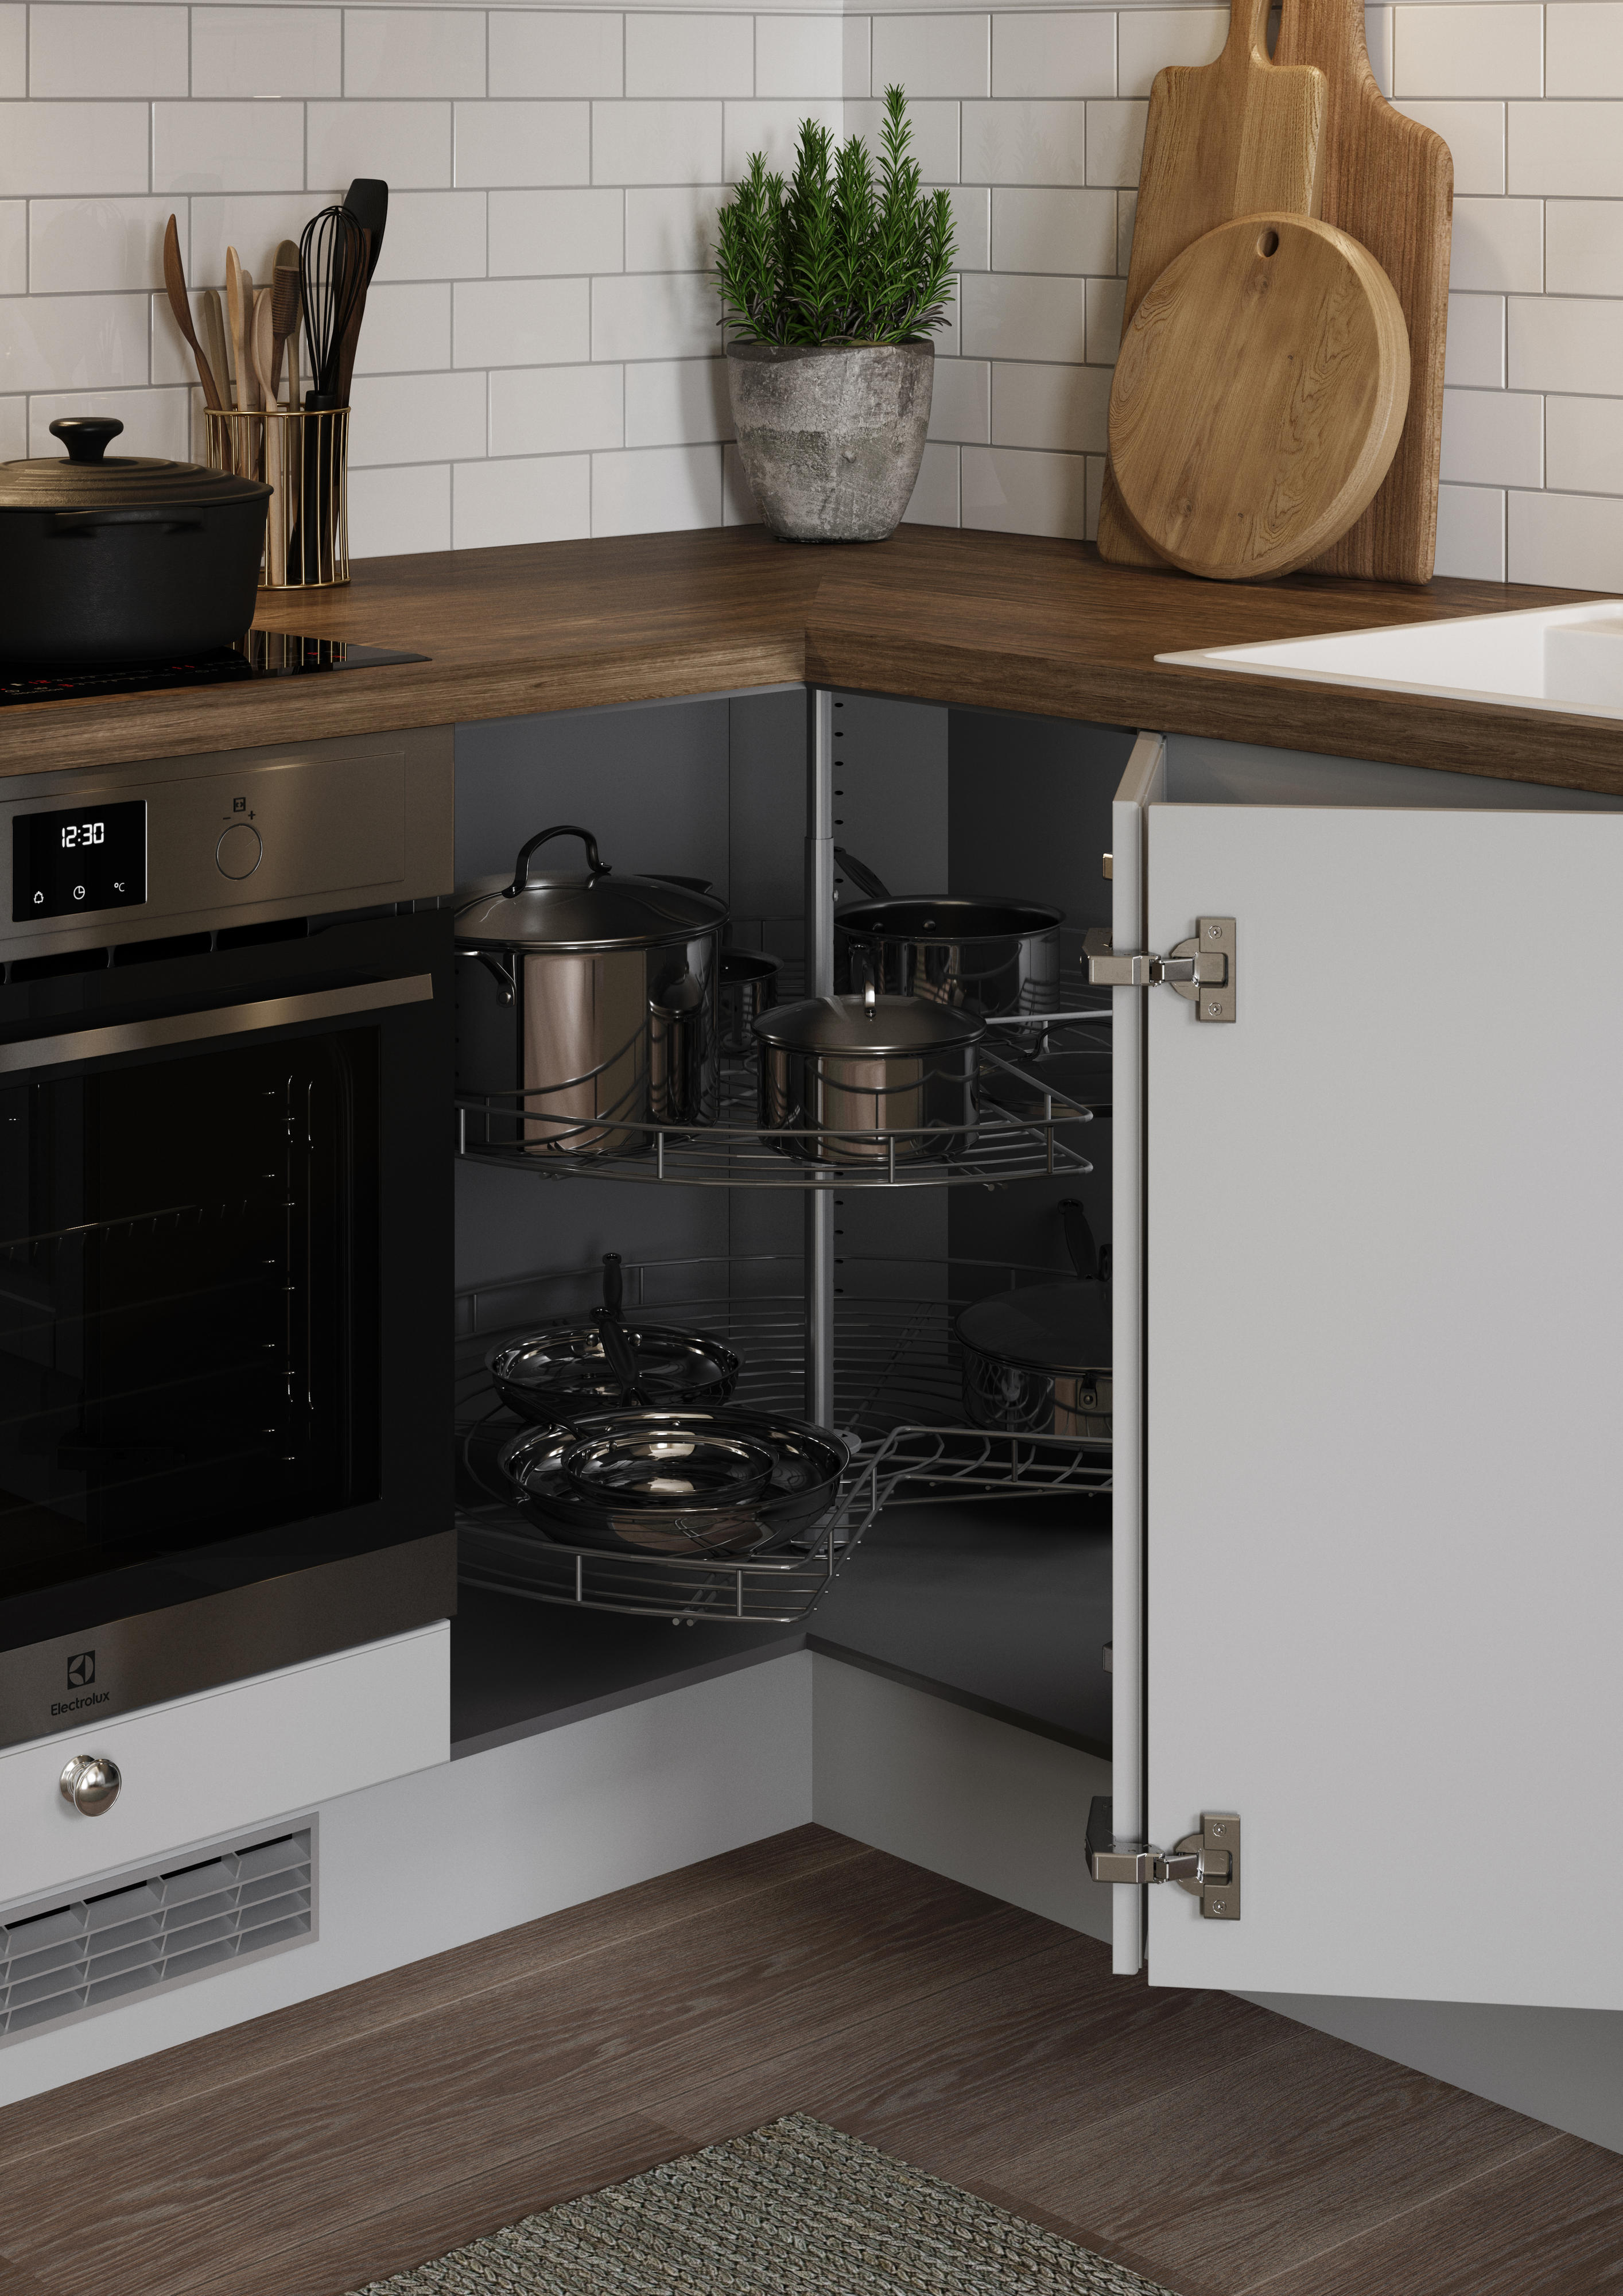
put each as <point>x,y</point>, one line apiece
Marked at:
<point>991,957</point>
<point>749,988</point>
<point>1037,1361</point>
<point>595,996</point>
<point>870,1076</point>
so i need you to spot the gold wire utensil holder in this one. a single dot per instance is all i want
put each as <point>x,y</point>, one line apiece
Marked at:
<point>305,460</point>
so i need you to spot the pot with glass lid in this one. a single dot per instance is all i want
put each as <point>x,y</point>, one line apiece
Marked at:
<point>592,996</point>
<point>123,558</point>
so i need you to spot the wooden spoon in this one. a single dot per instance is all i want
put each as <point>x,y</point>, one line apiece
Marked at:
<point>275,554</point>
<point>175,281</point>
<point>284,319</point>
<point>214,330</point>
<point>239,312</point>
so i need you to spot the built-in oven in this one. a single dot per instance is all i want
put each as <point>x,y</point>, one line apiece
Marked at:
<point>224,1220</point>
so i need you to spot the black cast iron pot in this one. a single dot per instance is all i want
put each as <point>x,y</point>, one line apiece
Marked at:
<point>123,558</point>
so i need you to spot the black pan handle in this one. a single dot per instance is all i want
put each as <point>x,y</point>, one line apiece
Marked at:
<point>621,1357</point>
<point>1085,1256</point>
<point>614,1289</point>
<point>867,881</point>
<point>595,865</point>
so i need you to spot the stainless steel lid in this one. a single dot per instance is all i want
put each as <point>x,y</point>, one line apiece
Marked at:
<point>1051,1327</point>
<point>545,910</point>
<point>87,477</point>
<point>867,1024</point>
<point>951,918</point>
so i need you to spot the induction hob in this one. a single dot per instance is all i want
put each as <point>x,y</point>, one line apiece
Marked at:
<point>261,653</point>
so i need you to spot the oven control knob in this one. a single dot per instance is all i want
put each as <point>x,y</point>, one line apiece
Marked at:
<point>239,849</point>
<point>90,1783</point>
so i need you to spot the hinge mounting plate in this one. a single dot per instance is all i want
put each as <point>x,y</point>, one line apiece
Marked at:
<point>1206,1864</point>
<point>1201,969</point>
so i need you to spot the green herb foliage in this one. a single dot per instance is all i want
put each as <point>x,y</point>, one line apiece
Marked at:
<point>837,256</point>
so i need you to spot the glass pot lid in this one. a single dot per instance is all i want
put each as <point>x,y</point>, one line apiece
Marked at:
<point>553,910</point>
<point>90,479</point>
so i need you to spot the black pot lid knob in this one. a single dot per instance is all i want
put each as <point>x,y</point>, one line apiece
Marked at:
<point>87,437</point>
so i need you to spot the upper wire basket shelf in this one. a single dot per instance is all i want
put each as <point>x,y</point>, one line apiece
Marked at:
<point>1023,1110</point>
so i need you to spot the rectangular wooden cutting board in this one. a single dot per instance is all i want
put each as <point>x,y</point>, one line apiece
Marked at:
<point>1223,139</point>
<point>1388,183</point>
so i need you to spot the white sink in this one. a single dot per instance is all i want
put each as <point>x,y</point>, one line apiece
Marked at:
<point>1567,658</point>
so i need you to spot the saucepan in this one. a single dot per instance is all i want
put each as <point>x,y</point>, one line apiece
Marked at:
<point>872,1077</point>
<point>1036,1361</point>
<point>990,957</point>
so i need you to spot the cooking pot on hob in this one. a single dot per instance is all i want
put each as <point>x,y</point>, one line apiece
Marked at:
<point>1037,1361</point>
<point>123,558</point>
<point>594,996</point>
<point>978,952</point>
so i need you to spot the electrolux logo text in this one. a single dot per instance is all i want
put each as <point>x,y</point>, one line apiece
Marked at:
<point>81,1673</point>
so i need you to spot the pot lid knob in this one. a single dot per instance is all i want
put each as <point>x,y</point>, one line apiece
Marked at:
<point>87,437</point>
<point>869,1000</point>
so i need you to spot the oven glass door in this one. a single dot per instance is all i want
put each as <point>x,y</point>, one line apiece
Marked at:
<point>189,1282</point>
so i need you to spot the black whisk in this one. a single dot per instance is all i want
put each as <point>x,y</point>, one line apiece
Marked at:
<point>332,278</point>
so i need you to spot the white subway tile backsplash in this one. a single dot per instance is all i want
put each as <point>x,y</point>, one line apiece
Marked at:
<point>657,143</point>
<point>434,236</point>
<point>1106,304</point>
<point>254,52</point>
<point>14,49</point>
<point>556,52</point>
<point>1493,438</point>
<point>935,134</point>
<point>1584,47</point>
<point>655,314</point>
<point>405,52</point>
<point>1470,532</point>
<point>1572,151</point>
<point>155,422</point>
<point>72,149</point>
<point>1126,216</point>
<point>1065,408</point>
<point>13,246</point>
<point>1068,52</point>
<point>656,489</point>
<point>1068,232</point>
<point>254,223</point>
<point>556,410</point>
<point>972,207</point>
<point>1583,246</point>
<point>507,144</point>
<point>1378,44</point>
<point>520,322</point>
<point>677,55</point>
<point>1565,343</point>
<point>935,500</point>
<point>407,329</point>
<point>933,55</point>
<point>545,499</point>
<point>73,343</point>
<point>1498,247</point>
<point>1027,139</point>
<point>800,56</point>
<point>673,228</point>
<point>1007,316</point>
<point>677,403</point>
<point>961,401</point>
<point>78,246</point>
<point>230,147</point>
<point>543,234</point>
<point>1584,445</point>
<point>1149,38</point>
<point>396,513</point>
<point>1475,341</point>
<point>407,143</point>
<point>417,418</point>
<point>1016,490</point>
<point>1573,540</point>
<point>738,504</point>
<point>14,430</point>
<point>1484,47</point>
<point>1474,134</point>
<point>1115,142</point>
<point>124,49</point>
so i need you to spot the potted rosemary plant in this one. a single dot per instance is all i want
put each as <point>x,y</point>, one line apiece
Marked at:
<point>831,286</point>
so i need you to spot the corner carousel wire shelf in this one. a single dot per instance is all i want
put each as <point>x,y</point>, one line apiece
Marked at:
<point>1018,1130</point>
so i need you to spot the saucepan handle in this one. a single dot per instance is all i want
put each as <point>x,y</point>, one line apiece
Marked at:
<point>614,1289</point>
<point>84,521</point>
<point>867,881</point>
<point>595,865</point>
<point>1085,1256</point>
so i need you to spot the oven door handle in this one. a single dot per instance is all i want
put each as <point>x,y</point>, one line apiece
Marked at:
<point>95,1044</point>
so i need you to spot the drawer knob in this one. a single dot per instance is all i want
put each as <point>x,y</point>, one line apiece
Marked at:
<point>91,1783</point>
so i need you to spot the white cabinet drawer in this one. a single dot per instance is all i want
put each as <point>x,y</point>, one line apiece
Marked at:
<point>227,1758</point>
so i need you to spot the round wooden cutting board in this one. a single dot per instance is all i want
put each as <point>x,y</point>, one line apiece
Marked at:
<point>1259,397</point>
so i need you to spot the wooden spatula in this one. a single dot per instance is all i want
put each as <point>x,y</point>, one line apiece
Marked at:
<point>284,319</point>
<point>1389,182</point>
<point>239,315</point>
<point>275,570</point>
<point>175,283</point>
<point>1225,139</point>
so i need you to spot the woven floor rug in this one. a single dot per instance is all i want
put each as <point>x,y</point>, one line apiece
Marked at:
<point>795,2209</point>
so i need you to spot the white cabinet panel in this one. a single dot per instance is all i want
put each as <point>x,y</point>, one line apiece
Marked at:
<point>1385,1450</point>
<point>201,1766</point>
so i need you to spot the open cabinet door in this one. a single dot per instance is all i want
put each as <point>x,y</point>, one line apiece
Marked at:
<point>1383,1454</point>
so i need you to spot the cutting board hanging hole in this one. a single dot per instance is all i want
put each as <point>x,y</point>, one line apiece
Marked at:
<point>1269,244</point>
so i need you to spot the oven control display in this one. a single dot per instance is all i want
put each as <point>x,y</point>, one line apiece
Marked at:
<point>92,857</point>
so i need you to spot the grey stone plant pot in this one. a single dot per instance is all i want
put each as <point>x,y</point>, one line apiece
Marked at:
<point>831,435</point>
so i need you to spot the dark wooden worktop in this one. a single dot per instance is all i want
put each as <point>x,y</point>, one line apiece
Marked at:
<point>998,622</point>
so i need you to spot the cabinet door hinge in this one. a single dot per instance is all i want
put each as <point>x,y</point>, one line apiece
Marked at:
<point>1201,970</point>
<point>1206,1864</point>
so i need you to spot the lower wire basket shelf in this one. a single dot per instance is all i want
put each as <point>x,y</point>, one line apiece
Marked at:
<point>897,1398</point>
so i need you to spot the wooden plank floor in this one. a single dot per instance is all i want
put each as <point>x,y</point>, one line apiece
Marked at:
<point>1210,2144</point>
